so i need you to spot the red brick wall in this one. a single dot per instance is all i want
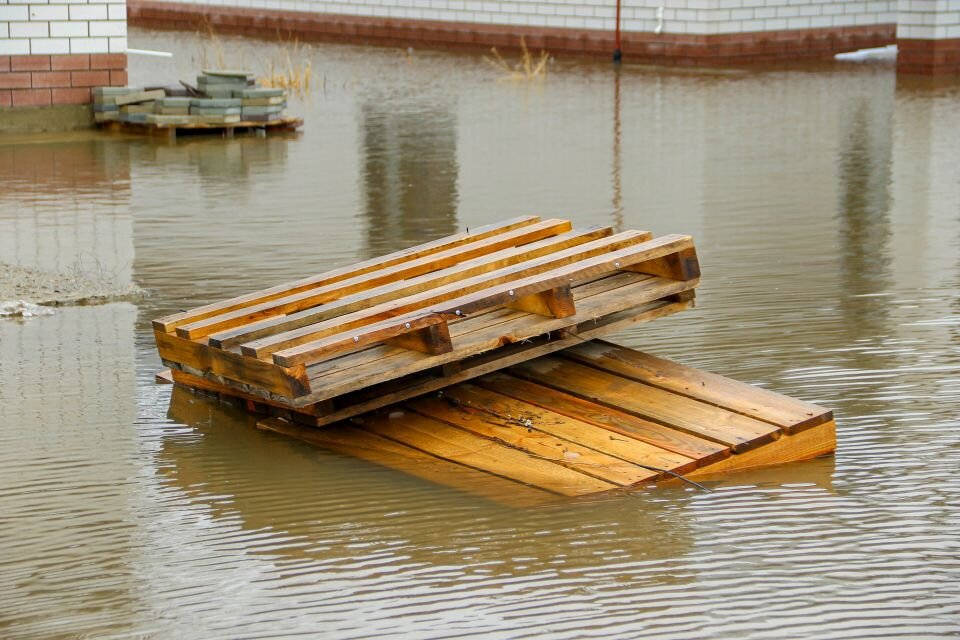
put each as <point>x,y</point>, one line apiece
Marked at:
<point>32,81</point>
<point>696,50</point>
<point>929,57</point>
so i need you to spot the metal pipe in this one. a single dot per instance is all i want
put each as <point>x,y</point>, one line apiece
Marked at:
<point>617,54</point>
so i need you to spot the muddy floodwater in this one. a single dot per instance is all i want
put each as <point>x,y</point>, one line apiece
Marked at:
<point>825,203</point>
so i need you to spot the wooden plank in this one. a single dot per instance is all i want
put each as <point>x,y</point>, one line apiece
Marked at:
<point>196,382</point>
<point>432,340</point>
<point>703,451</point>
<point>351,440</point>
<point>456,445</point>
<point>538,444</point>
<point>817,441</point>
<point>406,331</point>
<point>682,265</point>
<point>368,281</point>
<point>364,300</point>
<point>789,414</point>
<point>738,432</point>
<point>288,382</point>
<point>494,289</point>
<point>169,323</point>
<point>626,448</point>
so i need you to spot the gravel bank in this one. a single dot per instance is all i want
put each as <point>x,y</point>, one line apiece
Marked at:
<point>54,289</point>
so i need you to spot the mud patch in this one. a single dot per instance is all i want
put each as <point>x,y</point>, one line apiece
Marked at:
<point>26,285</point>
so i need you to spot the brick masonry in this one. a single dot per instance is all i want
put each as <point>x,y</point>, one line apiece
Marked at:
<point>675,48</point>
<point>42,80</point>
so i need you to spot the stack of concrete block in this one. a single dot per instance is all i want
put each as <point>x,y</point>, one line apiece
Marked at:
<point>126,104</point>
<point>216,110</point>
<point>262,104</point>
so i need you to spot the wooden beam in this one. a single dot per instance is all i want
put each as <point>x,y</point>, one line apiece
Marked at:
<point>682,265</point>
<point>432,340</point>
<point>555,303</point>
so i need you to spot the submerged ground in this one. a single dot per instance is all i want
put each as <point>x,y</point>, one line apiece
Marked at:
<point>826,207</point>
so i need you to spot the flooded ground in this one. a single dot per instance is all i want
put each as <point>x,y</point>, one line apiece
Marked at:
<point>825,203</point>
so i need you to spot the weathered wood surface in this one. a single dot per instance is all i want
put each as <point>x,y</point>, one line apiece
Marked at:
<point>571,428</point>
<point>449,308</point>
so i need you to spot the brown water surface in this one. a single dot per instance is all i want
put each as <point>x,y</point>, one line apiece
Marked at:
<point>825,202</point>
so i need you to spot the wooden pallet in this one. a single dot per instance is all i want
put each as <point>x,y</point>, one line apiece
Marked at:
<point>171,131</point>
<point>337,344</point>
<point>596,417</point>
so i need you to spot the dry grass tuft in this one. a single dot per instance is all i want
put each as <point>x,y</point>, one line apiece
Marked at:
<point>527,69</point>
<point>284,74</point>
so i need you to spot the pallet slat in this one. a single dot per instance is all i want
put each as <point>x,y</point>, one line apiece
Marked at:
<point>736,431</point>
<point>787,413</point>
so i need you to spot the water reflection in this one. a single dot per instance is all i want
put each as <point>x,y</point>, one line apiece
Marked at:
<point>323,506</point>
<point>409,169</point>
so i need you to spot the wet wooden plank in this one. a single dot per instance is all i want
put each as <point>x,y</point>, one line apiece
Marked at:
<point>288,382</point>
<point>627,448</point>
<point>738,432</point>
<point>170,323</point>
<point>704,451</point>
<point>495,289</point>
<point>302,328</point>
<point>257,331</point>
<point>456,445</point>
<point>540,445</point>
<point>374,279</point>
<point>789,414</point>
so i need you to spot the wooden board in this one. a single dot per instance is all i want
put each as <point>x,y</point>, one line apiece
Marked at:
<point>518,426</point>
<point>428,313</point>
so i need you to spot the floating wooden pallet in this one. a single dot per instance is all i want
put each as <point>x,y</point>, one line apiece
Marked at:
<point>170,131</point>
<point>593,418</point>
<point>356,338</point>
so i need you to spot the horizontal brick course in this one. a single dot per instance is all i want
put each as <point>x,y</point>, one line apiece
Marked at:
<point>30,63</point>
<point>70,96</point>
<point>108,61</point>
<point>30,98</point>
<point>15,80</point>
<point>73,62</point>
<point>90,78</point>
<point>48,79</point>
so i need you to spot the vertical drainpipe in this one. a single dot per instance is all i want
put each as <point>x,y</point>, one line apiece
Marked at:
<point>617,54</point>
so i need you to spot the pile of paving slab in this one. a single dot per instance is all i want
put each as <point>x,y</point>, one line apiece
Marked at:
<point>220,98</point>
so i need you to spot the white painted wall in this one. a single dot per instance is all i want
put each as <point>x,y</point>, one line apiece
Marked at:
<point>33,27</point>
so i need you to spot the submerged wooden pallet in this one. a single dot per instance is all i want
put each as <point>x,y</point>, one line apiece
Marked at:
<point>596,417</point>
<point>356,338</point>
<point>170,131</point>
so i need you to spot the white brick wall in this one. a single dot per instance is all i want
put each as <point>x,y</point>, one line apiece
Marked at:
<point>62,26</point>
<point>929,19</point>
<point>678,16</point>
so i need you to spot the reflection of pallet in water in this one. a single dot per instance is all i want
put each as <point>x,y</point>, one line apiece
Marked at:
<point>353,339</point>
<point>594,418</point>
<point>171,131</point>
